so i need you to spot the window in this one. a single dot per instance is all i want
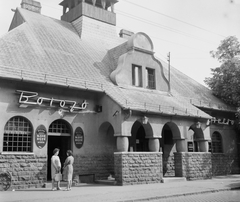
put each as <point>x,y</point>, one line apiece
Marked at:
<point>216,143</point>
<point>59,126</point>
<point>17,135</point>
<point>136,75</point>
<point>150,78</point>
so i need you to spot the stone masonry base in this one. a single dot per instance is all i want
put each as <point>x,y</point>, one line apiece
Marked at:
<point>193,166</point>
<point>138,167</point>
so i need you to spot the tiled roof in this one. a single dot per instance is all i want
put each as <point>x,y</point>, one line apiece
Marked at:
<point>187,88</point>
<point>51,51</point>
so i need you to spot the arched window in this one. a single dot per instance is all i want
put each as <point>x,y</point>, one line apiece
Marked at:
<point>17,136</point>
<point>59,126</point>
<point>216,143</point>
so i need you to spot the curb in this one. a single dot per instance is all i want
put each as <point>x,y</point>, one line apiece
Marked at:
<point>177,195</point>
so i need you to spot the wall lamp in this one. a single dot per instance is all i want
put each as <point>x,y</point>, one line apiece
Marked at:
<point>61,113</point>
<point>145,120</point>
<point>116,113</point>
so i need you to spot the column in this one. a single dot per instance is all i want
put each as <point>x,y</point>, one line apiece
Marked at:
<point>181,145</point>
<point>153,144</point>
<point>122,144</point>
<point>203,146</point>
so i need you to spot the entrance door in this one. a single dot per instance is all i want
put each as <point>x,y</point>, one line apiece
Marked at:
<point>59,136</point>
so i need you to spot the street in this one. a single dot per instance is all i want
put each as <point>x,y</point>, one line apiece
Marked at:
<point>223,196</point>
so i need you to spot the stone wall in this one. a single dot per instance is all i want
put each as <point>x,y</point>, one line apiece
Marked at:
<point>137,167</point>
<point>28,171</point>
<point>168,166</point>
<point>194,165</point>
<point>101,166</point>
<point>225,164</point>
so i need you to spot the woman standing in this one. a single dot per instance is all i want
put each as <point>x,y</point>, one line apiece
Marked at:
<point>55,168</point>
<point>68,170</point>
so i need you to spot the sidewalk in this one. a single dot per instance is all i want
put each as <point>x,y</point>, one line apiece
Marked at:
<point>97,193</point>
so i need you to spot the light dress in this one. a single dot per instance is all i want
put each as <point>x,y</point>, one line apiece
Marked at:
<point>55,165</point>
<point>68,168</point>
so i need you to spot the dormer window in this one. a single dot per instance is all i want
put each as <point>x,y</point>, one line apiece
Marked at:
<point>137,75</point>
<point>150,78</point>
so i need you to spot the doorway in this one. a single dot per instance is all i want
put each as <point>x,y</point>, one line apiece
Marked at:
<point>167,149</point>
<point>138,141</point>
<point>141,141</point>
<point>59,136</point>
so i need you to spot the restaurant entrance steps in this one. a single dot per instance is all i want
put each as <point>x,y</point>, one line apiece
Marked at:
<point>64,184</point>
<point>173,179</point>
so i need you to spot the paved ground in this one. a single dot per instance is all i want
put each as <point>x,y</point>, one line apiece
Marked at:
<point>152,192</point>
<point>223,196</point>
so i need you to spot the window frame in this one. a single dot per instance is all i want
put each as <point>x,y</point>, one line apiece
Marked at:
<point>151,82</point>
<point>18,136</point>
<point>59,127</point>
<point>134,66</point>
<point>216,143</point>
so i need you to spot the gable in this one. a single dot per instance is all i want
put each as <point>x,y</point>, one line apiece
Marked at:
<point>138,53</point>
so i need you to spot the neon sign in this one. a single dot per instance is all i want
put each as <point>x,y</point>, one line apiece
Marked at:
<point>32,98</point>
<point>223,121</point>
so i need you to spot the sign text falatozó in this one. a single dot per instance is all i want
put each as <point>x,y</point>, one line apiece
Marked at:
<point>32,98</point>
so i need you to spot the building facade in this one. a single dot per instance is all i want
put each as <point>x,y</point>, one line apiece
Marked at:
<point>74,84</point>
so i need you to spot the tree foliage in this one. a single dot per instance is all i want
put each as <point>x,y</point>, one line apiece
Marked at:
<point>225,82</point>
<point>228,49</point>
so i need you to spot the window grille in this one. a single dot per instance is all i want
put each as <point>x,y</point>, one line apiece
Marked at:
<point>59,126</point>
<point>151,78</point>
<point>216,143</point>
<point>17,135</point>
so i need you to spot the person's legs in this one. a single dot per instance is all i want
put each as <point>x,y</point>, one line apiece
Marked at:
<point>58,185</point>
<point>70,184</point>
<point>53,184</point>
<point>67,188</point>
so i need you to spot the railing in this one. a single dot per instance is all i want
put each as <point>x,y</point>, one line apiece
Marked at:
<point>50,78</point>
<point>189,110</point>
<point>211,105</point>
<point>97,86</point>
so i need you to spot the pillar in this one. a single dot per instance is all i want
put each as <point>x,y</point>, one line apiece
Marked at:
<point>153,144</point>
<point>203,146</point>
<point>122,144</point>
<point>181,145</point>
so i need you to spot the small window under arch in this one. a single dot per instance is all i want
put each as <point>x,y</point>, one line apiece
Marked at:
<point>18,133</point>
<point>59,126</point>
<point>217,143</point>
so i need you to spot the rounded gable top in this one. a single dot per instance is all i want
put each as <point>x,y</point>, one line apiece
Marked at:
<point>140,40</point>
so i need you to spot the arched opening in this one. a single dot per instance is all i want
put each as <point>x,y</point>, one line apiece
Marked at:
<point>59,136</point>
<point>138,141</point>
<point>170,133</point>
<point>18,135</point>
<point>198,135</point>
<point>106,139</point>
<point>217,143</point>
<point>105,146</point>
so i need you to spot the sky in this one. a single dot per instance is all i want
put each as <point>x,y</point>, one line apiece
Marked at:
<point>187,29</point>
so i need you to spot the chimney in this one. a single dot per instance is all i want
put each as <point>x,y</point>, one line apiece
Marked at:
<point>101,10</point>
<point>31,5</point>
<point>125,34</point>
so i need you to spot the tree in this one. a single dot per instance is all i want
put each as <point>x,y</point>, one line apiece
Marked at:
<point>228,49</point>
<point>225,82</point>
